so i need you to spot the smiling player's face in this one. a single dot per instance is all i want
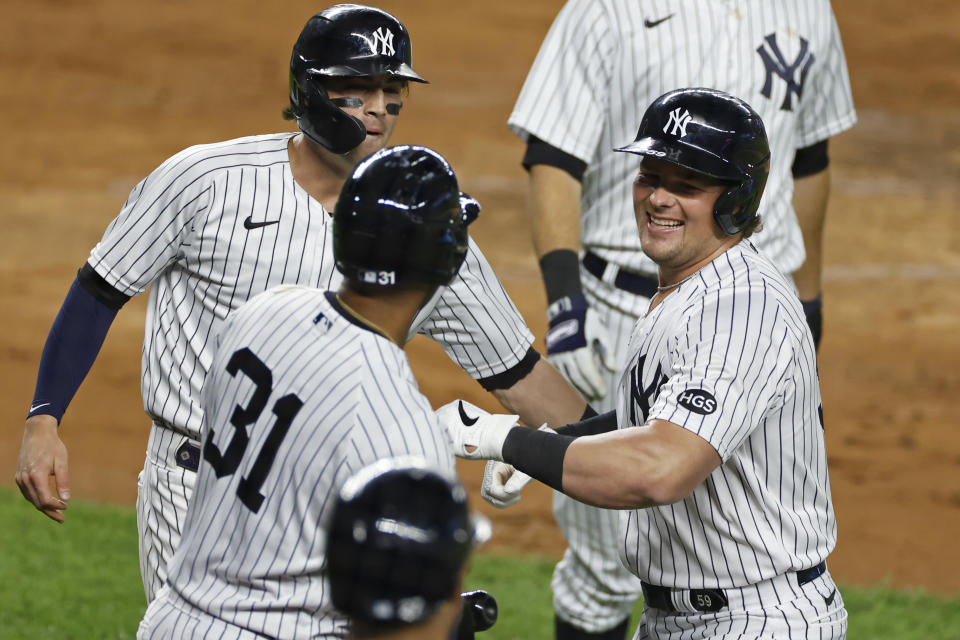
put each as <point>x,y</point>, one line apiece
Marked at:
<point>673,207</point>
<point>380,99</point>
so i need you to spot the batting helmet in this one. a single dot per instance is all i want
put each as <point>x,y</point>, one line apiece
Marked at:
<point>401,220</point>
<point>399,535</point>
<point>715,134</point>
<point>345,40</point>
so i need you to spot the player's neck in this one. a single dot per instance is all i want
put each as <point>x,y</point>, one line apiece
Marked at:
<point>390,313</point>
<point>317,171</point>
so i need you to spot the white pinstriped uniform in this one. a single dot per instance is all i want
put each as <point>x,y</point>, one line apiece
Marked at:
<point>594,76</point>
<point>184,233</point>
<point>728,355</point>
<point>338,396</point>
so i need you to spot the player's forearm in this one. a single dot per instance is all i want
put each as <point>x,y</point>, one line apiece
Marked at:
<point>72,346</point>
<point>810,194</point>
<point>619,470</point>
<point>553,207</point>
<point>633,468</point>
<point>543,396</point>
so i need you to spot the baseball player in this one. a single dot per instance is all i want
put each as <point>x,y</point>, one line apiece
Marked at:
<point>218,223</point>
<point>600,64</point>
<point>719,464</point>
<point>306,388</point>
<point>393,585</point>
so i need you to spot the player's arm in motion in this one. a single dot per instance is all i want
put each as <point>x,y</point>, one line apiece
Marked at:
<point>577,342</point>
<point>72,346</point>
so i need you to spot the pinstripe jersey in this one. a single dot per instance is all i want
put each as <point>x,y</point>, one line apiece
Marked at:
<point>320,395</point>
<point>729,357</point>
<point>604,61</point>
<point>218,223</point>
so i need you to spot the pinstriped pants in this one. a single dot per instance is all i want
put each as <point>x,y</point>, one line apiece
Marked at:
<point>163,489</point>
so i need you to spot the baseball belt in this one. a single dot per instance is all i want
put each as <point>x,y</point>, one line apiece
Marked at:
<point>188,456</point>
<point>707,600</point>
<point>635,283</point>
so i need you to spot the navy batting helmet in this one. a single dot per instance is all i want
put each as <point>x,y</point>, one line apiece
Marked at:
<point>345,40</point>
<point>399,535</point>
<point>715,134</point>
<point>401,220</point>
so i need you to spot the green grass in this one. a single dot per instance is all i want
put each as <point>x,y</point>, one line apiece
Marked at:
<point>81,580</point>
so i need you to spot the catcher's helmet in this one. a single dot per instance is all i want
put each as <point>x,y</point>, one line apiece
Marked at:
<point>342,41</point>
<point>399,535</point>
<point>401,220</point>
<point>713,133</point>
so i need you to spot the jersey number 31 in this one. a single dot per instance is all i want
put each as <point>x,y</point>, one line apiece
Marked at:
<point>226,463</point>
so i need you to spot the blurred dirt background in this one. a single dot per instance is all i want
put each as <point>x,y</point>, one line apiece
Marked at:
<point>95,94</point>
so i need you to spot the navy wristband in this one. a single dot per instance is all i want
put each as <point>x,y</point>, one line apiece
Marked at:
<point>539,454</point>
<point>561,274</point>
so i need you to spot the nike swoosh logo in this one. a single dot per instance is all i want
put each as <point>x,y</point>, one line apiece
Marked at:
<point>650,24</point>
<point>829,600</point>
<point>467,420</point>
<point>249,224</point>
<point>34,407</point>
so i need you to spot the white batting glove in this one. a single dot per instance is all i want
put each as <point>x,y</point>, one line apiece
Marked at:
<point>502,483</point>
<point>579,345</point>
<point>476,434</point>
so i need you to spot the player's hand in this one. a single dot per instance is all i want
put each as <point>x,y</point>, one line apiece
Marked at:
<point>476,434</point>
<point>579,345</point>
<point>502,484</point>
<point>43,456</point>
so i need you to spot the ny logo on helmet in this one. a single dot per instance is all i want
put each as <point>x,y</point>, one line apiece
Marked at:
<point>679,119</point>
<point>775,63</point>
<point>381,42</point>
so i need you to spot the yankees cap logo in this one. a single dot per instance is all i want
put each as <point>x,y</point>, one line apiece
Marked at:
<point>467,420</point>
<point>679,119</point>
<point>380,42</point>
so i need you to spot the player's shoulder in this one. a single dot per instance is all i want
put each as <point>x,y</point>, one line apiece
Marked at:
<point>285,293</point>
<point>209,158</point>
<point>742,273</point>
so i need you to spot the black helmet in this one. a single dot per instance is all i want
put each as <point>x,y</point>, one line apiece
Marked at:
<point>713,133</point>
<point>401,220</point>
<point>345,40</point>
<point>399,535</point>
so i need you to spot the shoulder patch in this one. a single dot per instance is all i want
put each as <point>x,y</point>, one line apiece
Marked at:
<point>698,401</point>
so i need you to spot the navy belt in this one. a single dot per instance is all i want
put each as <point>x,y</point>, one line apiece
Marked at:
<point>710,600</point>
<point>635,283</point>
<point>188,456</point>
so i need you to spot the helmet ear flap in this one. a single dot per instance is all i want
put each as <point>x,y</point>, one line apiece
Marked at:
<point>737,206</point>
<point>316,113</point>
<point>729,208</point>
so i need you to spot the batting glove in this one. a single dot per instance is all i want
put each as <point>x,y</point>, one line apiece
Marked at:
<point>476,434</point>
<point>578,345</point>
<point>502,483</point>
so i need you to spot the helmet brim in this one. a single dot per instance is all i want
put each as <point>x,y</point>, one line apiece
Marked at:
<point>688,156</point>
<point>404,71</point>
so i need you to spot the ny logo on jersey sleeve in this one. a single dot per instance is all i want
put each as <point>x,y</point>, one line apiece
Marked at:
<point>776,63</point>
